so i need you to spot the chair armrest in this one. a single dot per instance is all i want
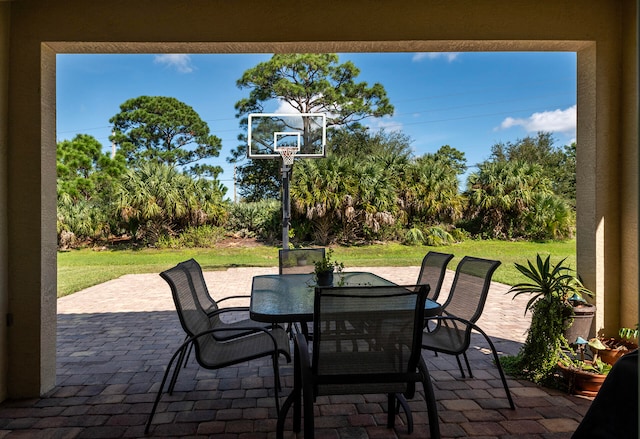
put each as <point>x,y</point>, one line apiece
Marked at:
<point>451,317</point>
<point>470,326</point>
<point>233,297</point>
<point>229,309</point>
<point>249,330</point>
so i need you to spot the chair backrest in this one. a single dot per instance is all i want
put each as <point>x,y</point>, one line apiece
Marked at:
<point>193,318</point>
<point>299,260</point>
<point>470,288</point>
<point>432,271</point>
<point>366,338</point>
<point>199,285</point>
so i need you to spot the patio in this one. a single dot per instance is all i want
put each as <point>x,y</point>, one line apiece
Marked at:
<point>115,339</point>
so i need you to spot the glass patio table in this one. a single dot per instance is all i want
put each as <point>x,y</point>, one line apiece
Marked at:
<point>288,298</point>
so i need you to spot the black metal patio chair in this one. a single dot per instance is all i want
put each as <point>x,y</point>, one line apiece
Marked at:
<point>299,260</point>
<point>236,321</point>
<point>366,340</point>
<point>210,352</point>
<point>432,272</point>
<point>461,311</point>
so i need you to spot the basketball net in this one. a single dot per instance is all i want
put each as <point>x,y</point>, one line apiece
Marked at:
<point>288,153</point>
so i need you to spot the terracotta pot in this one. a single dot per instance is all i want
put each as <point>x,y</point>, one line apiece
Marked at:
<point>581,382</point>
<point>616,349</point>
<point>610,356</point>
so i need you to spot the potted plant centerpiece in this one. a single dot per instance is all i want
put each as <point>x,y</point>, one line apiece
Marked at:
<point>555,291</point>
<point>325,267</point>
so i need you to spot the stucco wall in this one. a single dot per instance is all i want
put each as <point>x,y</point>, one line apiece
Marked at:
<point>4,293</point>
<point>629,177</point>
<point>601,32</point>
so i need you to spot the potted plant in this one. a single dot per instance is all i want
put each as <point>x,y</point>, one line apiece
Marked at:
<point>301,259</point>
<point>584,377</point>
<point>616,347</point>
<point>555,291</point>
<point>325,267</point>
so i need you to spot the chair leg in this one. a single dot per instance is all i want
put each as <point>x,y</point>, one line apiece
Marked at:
<point>496,359</point>
<point>391,410</point>
<point>179,352</point>
<point>276,380</point>
<point>430,399</point>
<point>466,360</point>
<point>402,402</point>
<point>460,366</point>
<point>188,355</point>
<point>307,408</point>
<point>291,399</point>
<point>182,362</point>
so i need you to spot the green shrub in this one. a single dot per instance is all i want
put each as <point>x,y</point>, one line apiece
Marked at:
<point>260,219</point>
<point>549,217</point>
<point>458,234</point>
<point>414,236</point>
<point>437,236</point>
<point>79,221</point>
<point>205,236</point>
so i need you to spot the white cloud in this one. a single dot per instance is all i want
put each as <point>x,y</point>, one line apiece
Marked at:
<point>286,108</point>
<point>449,56</point>
<point>552,121</point>
<point>384,123</point>
<point>181,62</point>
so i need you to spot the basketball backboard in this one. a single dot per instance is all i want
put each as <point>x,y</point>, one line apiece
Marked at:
<point>267,132</point>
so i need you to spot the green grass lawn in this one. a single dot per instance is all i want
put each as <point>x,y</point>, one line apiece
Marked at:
<point>79,269</point>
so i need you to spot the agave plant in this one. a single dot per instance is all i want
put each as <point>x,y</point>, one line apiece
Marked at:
<point>553,283</point>
<point>553,288</point>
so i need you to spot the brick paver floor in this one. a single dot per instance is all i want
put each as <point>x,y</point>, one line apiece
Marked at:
<point>115,339</point>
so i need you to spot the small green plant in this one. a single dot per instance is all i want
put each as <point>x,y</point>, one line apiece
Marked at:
<point>629,333</point>
<point>570,360</point>
<point>596,366</point>
<point>327,263</point>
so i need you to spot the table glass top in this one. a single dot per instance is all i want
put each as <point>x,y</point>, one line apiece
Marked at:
<point>289,297</point>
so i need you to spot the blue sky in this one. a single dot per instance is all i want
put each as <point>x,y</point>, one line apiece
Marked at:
<point>467,100</point>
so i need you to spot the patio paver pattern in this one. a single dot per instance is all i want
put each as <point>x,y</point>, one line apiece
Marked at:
<point>115,339</point>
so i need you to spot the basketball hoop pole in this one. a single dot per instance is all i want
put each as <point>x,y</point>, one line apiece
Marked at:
<point>286,205</point>
<point>287,153</point>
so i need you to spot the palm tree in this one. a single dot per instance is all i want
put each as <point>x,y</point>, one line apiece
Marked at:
<point>79,220</point>
<point>550,217</point>
<point>429,192</point>
<point>343,197</point>
<point>501,193</point>
<point>156,199</point>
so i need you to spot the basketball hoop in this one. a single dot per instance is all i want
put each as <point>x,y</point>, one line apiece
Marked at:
<point>290,136</point>
<point>288,153</point>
